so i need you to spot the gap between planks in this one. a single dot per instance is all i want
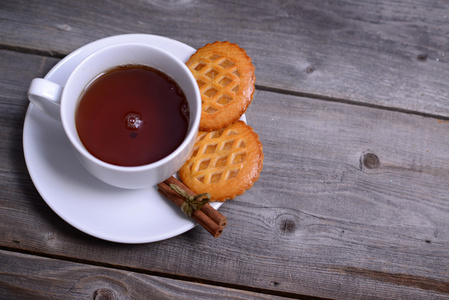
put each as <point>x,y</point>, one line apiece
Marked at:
<point>19,49</point>
<point>349,102</point>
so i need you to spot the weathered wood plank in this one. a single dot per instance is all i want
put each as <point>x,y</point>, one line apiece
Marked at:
<point>377,53</point>
<point>320,221</point>
<point>25,276</point>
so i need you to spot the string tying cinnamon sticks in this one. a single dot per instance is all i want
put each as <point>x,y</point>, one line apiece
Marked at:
<point>191,203</point>
<point>195,206</point>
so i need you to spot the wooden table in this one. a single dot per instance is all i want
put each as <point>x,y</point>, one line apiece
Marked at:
<point>352,108</point>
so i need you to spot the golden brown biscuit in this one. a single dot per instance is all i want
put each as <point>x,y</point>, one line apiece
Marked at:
<point>224,163</point>
<point>225,76</point>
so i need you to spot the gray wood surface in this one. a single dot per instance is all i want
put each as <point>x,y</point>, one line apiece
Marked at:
<point>388,54</point>
<point>351,107</point>
<point>35,277</point>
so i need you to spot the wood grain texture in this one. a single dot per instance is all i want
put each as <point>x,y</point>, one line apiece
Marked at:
<point>31,277</point>
<point>376,53</point>
<point>319,222</point>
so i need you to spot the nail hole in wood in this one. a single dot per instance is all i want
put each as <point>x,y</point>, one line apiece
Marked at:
<point>422,57</point>
<point>310,70</point>
<point>288,226</point>
<point>104,294</point>
<point>370,161</point>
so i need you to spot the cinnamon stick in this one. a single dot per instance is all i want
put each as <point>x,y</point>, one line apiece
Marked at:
<point>208,217</point>
<point>207,208</point>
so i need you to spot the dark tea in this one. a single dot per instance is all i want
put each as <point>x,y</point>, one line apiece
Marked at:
<point>132,115</point>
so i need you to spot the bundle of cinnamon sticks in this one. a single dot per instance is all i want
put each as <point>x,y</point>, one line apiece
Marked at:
<point>208,217</point>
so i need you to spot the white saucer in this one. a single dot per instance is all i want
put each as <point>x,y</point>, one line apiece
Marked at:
<point>103,211</point>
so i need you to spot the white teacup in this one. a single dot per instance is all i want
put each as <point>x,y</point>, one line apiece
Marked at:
<point>61,103</point>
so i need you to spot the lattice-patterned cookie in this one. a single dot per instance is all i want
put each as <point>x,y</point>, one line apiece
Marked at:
<point>225,76</point>
<point>224,163</point>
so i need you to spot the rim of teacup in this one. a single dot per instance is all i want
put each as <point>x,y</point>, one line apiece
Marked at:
<point>73,135</point>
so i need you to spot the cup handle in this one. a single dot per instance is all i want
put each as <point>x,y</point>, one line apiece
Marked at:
<point>46,96</point>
